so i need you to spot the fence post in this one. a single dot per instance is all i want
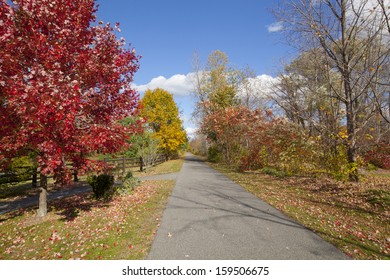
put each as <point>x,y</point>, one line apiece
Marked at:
<point>123,167</point>
<point>35,178</point>
<point>75,177</point>
<point>141,164</point>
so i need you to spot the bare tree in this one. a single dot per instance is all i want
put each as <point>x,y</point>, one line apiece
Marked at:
<point>215,84</point>
<point>253,90</point>
<point>351,34</point>
<point>384,6</point>
<point>304,93</point>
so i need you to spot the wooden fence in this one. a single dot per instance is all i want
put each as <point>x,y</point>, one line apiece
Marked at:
<point>117,166</point>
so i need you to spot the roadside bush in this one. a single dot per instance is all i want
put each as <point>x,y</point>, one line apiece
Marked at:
<point>253,159</point>
<point>129,175</point>
<point>129,183</point>
<point>20,169</point>
<point>379,156</point>
<point>101,184</point>
<point>213,154</point>
<point>273,172</point>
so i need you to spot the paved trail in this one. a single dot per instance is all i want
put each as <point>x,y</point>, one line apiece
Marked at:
<point>210,217</point>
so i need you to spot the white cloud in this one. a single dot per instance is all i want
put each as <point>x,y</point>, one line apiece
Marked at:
<point>266,82</point>
<point>260,87</point>
<point>368,10</point>
<point>178,84</point>
<point>191,131</point>
<point>275,27</point>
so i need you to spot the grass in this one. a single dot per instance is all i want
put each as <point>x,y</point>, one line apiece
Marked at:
<point>13,191</point>
<point>170,166</point>
<point>353,216</point>
<point>80,227</point>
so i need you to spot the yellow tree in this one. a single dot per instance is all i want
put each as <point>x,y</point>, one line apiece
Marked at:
<point>162,115</point>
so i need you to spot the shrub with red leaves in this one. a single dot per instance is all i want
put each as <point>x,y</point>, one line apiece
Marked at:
<point>379,156</point>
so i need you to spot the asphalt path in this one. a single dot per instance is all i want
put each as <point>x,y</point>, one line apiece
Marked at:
<point>208,216</point>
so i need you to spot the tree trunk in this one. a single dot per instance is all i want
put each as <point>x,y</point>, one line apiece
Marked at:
<point>351,143</point>
<point>349,104</point>
<point>42,211</point>
<point>141,164</point>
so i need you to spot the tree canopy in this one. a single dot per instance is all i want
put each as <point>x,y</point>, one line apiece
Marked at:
<point>64,85</point>
<point>163,119</point>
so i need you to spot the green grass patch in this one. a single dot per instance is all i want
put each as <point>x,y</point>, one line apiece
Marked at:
<point>355,217</point>
<point>170,166</point>
<point>273,172</point>
<point>80,227</point>
<point>9,190</point>
<point>381,173</point>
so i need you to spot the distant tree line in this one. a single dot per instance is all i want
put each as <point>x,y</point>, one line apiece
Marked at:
<point>334,96</point>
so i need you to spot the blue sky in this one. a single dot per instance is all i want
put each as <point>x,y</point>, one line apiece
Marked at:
<point>167,33</point>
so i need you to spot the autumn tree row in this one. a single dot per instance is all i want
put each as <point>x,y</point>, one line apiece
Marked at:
<point>339,84</point>
<point>239,128</point>
<point>334,96</point>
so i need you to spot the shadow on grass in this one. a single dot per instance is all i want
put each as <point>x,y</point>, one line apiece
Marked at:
<point>339,239</point>
<point>10,190</point>
<point>13,214</point>
<point>66,209</point>
<point>70,208</point>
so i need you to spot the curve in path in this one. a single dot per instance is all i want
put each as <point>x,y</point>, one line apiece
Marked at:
<point>208,216</point>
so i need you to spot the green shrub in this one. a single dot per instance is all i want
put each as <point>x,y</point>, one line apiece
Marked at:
<point>273,172</point>
<point>128,184</point>
<point>20,169</point>
<point>101,184</point>
<point>371,167</point>
<point>213,154</point>
<point>128,175</point>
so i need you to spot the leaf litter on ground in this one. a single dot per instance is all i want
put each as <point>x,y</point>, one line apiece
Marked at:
<point>80,227</point>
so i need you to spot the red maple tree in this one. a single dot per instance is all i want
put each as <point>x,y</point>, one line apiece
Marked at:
<point>64,85</point>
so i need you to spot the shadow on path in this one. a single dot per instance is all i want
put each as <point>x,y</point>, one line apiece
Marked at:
<point>208,216</point>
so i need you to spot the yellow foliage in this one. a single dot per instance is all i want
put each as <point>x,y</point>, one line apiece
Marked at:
<point>162,116</point>
<point>343,134</point>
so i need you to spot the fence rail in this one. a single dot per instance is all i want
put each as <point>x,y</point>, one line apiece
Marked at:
<point>117,166</point>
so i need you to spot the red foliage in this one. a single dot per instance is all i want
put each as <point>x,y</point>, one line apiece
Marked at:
<point>63,84</point>
<point>237,131</point>
<point>379,156</point>
<point>254,138</point>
